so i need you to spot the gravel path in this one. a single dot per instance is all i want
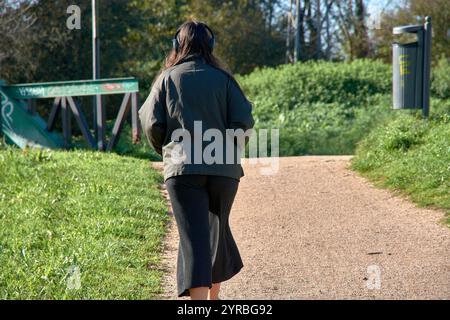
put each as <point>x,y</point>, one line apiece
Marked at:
<point>316,230</point>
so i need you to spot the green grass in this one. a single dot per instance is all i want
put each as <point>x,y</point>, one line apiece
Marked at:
<point>412,156</point>
<point>141,150</point>
<point>124,146</point>
<point>99,213</point>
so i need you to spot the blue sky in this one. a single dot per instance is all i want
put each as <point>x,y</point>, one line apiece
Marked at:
<point>374,6</point>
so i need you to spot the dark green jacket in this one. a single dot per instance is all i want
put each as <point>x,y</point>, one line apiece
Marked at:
<point>195,91</point>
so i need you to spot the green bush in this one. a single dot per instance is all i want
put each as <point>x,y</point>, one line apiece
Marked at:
<point>440,81</point>
<point>320,107</point>
<point>292,86</point>
<point>325,107</point>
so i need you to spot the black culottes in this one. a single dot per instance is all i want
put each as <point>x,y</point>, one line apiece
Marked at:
<point>207,252</point>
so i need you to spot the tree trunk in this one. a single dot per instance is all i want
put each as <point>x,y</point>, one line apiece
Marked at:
<point>270,17</point>
<point>288,35</point>
<point>298,31</point>
<point>328,32</point>
<point>361,36</point>
<point>318,40</point>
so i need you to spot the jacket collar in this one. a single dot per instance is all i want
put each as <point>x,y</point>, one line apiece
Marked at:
<point>191,57</point>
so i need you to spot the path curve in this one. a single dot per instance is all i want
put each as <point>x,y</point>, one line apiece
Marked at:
<point>317,230</point>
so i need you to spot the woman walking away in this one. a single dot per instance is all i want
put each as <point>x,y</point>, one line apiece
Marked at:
<point>193,117</point>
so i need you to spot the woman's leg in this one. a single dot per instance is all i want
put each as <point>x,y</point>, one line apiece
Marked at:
<point>190,202</point>
<point>214,292</point>
<point>227,261</point>
<point>200,293</point>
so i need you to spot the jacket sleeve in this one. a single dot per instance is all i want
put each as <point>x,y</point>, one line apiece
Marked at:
<point>239,111</point>
<point>153,115</point>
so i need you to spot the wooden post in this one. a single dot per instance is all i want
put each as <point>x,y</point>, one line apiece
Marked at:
<point>65,115</point>
<point>135,118</point>
<point>119,122</point>
<point>31,104</point>
<point>82,123</point>
<point>53,114</point>
<point>101,123</point>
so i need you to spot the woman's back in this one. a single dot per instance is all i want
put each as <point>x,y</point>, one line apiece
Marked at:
<point>191,106</point>
<point>196,91</point>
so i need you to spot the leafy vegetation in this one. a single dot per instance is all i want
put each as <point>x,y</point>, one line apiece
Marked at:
<point>440,84</point>
<point>412,155</point>
<point>99,214</point>
<point>320,107</point>
<point>325,107</point>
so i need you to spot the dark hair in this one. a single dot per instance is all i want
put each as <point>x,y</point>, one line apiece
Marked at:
<point>194,38</point>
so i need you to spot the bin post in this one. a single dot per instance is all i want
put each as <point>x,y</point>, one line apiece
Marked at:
<point>412,68</point>
<point>426,68</point>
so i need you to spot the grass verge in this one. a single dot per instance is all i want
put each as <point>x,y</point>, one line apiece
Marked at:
<point>79,225</point>
<point>412,156</point>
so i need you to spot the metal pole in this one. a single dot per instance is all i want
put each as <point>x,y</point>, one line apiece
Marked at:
<point>99,117</point>
<point>95,42</point>
<point>94,63</point>
<point>426,68</point>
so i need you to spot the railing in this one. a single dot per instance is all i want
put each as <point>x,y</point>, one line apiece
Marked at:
<point>64,103</point>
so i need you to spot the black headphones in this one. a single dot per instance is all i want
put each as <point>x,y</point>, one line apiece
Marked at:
<point>211,42</point>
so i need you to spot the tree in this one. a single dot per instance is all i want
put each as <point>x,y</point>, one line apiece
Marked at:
<point>148,37</point>
<point>49,51</point>
<point>299,31</point>
<point>351,16</point>
<point>312,24</point>
<point>44,50</point>
<point>242,29</point>
<point>247,37</point>
<point>16,22</point>
<point>413,12</point>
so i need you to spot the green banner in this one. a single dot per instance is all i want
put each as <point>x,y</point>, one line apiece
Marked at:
<point>72,88</point>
